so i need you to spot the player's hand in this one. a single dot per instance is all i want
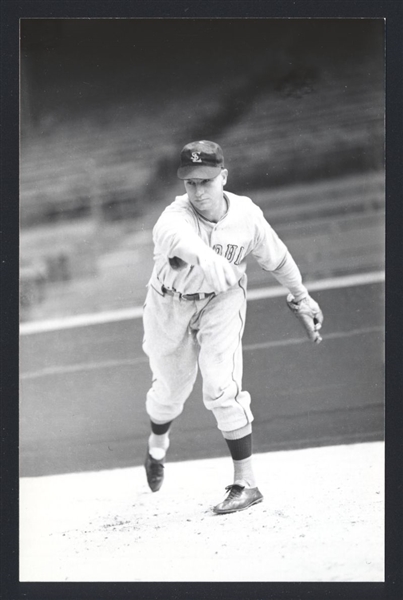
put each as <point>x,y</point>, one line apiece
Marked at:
<point>218,272</point>
<point>309,313</point>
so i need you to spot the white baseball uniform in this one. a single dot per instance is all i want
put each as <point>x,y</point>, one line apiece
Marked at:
<point>182,334</point>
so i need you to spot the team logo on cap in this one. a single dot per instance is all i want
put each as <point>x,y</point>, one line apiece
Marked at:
<point>196,157</point>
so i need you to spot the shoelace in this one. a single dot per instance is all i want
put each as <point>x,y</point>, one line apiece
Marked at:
<point>234,490</point>
<point>156,467</point>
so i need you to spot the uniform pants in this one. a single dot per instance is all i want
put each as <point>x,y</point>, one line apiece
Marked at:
<point>182,335</point>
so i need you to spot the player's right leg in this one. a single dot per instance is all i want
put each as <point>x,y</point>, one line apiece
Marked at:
<point>158,444</point>
<point>172,351</point>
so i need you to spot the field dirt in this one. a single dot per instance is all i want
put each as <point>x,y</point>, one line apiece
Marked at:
<point>322,520</point>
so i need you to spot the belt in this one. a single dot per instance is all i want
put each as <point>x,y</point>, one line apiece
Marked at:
<point>200,296</point>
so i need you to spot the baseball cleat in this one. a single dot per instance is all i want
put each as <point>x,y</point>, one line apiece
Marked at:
<point>239,498</point>
<point>155,472</point>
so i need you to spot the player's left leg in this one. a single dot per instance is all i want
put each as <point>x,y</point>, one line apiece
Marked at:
<point>220,338</point>
<point>220,331</point>
<point>239,443</point>
<point>244,492</point>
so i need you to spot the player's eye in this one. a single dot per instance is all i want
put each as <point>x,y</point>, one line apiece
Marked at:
<point>199,181</point>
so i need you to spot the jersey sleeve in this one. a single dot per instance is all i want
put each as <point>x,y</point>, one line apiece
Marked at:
<point>268,249</point>
<point>273,255</point>
<point>288,274</point>
<point>175,235</point>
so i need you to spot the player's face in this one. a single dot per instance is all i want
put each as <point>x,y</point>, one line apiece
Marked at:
<point>206,195</point>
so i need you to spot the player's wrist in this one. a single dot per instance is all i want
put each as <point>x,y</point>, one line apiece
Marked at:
<point>298,295</point>
<point>205,253</point>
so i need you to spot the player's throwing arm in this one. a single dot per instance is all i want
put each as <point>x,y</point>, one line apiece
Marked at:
<point>217,271</point>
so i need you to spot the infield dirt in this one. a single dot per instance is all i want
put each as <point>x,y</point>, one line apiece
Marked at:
<point>322,520</point>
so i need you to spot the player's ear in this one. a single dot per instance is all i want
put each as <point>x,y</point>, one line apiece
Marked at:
<point>224,175</point>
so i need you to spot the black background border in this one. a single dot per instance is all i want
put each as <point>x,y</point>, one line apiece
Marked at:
<point>11,12</point>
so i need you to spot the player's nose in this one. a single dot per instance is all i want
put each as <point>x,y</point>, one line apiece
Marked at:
<point>199,191</point>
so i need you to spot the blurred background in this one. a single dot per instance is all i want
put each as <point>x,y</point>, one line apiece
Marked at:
<point>106,105</point>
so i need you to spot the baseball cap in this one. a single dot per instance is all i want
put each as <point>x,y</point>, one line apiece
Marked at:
<point>201,160</point>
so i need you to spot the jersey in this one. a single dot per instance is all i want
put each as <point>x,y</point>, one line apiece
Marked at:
<point>181,232</point>
<point>182,336</point>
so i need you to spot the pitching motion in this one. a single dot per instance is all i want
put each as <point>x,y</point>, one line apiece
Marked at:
<point>194,313</point>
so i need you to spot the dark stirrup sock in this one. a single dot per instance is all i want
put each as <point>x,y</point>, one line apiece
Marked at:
<point>241,448</point>
<point>160,429</point>
<point>241,452</point>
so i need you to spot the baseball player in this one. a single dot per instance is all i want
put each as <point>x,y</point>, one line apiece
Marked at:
<point>194,314</point>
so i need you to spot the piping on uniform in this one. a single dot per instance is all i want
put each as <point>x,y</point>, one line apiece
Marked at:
<point>233,356</point>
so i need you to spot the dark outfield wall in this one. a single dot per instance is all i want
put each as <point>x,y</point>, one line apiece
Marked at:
<point>303,99</point>
<point>68,65</point>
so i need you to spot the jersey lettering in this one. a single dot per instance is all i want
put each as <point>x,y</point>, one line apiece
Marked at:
<point>239,257</point>
<point>230,253</point>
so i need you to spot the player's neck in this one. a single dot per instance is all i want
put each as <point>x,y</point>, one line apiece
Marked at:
<point>217,214</point>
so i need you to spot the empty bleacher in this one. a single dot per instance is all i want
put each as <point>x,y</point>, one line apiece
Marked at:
<point>325,126</point>
<point>308,148</point>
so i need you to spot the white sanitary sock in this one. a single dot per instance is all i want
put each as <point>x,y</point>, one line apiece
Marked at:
<point>158,445</point>
<point>243,472</point>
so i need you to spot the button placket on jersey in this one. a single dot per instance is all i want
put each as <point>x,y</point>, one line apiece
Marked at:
<point>213,231</point>
<point>217,226</point>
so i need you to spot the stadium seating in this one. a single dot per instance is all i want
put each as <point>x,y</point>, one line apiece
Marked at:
<point>308,149</point>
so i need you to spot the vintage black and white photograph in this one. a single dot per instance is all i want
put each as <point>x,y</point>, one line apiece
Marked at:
<point>202,300</point>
